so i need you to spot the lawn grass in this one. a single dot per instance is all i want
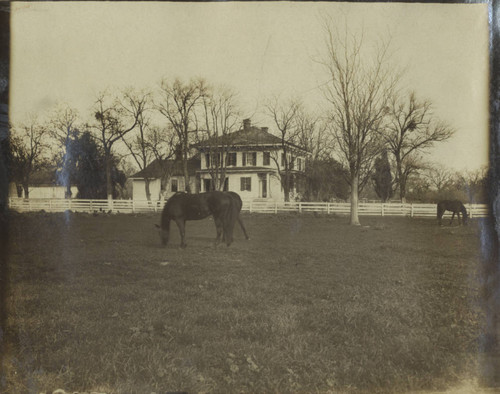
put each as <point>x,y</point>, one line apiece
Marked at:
<point>308,304</point>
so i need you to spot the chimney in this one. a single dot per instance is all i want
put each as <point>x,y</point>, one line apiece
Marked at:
<point>264,129</point>
<point>246,124</point>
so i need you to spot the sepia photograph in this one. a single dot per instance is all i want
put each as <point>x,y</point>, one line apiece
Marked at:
<point>249,197</point>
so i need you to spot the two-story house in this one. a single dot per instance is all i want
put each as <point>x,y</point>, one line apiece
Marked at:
<point>251,162</point>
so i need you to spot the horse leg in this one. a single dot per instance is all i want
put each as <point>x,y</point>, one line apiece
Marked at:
<point>243,227</point>
<point>218,226</point>
<point>452,217</point>
<point>181,223</point>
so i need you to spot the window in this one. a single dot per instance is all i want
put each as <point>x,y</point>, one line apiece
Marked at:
<point>249,158</point>
<point>267,158</point>
<point>282,160</point>
<point>174,186</point>
<point>216,160</point>
<point>231,159</point>
<point>299,164</point>
<point>207,160</point>
<point>246,184</point>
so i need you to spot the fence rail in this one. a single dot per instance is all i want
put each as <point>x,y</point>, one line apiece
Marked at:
<point>133,206</point>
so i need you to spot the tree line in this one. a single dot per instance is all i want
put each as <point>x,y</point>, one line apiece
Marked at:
<point>369,136</point>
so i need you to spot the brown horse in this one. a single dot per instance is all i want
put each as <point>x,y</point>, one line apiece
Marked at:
<point>454,206</point>
<point>183,206</point>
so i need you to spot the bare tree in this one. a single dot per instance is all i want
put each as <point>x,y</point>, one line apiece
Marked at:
<point>28,151</point>
<point>64,129</point>
<point>358,91</point>
<point>285,114</point>
<point>114,118</point>
<point>438,176</point>
<point>178,104</point>
<point>221,118</point>
<point>147,142</point>
<point>411,130</point>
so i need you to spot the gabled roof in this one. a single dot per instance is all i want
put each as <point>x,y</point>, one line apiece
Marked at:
<point>155,168</point>
<point>247,136</point>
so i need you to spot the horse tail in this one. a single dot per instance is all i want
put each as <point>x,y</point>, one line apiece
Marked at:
<point>440,212</point>
<point>165,224</point>
<point>464,213</point>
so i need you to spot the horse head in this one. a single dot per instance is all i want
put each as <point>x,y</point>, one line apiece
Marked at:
<point>163,235</point>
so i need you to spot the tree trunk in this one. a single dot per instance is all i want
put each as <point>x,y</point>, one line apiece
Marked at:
<point>402,189</point>
<point>354,200</point>
<point>109,184</point>
<point>402,181</point>
<point>148,192</point>
<point>185,171</point>
<point>286,188</point>
<point>68,191</point>
<point>26,190</point>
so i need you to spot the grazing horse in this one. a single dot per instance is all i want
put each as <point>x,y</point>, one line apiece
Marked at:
<point>454,206</point>
<point>184,206</point>
<point>239,204</point>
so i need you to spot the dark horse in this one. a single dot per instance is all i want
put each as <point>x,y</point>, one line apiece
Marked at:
<point>184,206</point>
<point>454,206</point>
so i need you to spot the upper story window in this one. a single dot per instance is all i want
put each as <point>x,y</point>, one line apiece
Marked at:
<point>231,159</point>
<point>207,160</point>
<point>266,160</point>
<point>300,164</point>
<point>249,158</point>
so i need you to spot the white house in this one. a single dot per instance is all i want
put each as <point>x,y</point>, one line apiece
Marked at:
<point>43,184</point>
<point>165,178</point>
<point>253,159</point>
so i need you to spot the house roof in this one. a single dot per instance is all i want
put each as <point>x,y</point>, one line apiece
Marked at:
<point>155,168</point>
<point>247,136</point>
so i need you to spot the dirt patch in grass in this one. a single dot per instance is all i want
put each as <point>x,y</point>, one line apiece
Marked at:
<point>309,304</point>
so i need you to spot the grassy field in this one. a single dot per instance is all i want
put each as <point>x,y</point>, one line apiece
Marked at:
<point>308,304</point>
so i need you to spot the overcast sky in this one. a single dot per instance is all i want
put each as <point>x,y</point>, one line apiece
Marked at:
<point>68,52</point>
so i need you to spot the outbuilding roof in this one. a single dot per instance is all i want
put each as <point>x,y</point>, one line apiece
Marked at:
<point>155,169</point>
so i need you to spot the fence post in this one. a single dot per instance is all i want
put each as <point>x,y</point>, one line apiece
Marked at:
<point>300,207</point>
<point>328,208</point>
<point>133,206</point>
<point>29,204</point>
<point>382,210</point>
<point>470,211</point>
<point>411,210</point>
<point>276,207</point>
<point>91,206</point>
<point>250,207</point>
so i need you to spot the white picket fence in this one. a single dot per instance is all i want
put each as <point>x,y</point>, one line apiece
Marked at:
<point>133,206</point>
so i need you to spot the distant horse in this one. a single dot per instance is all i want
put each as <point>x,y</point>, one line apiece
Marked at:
<point>454,206</point>
<point>239,205</point>
<point>184,206</point>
